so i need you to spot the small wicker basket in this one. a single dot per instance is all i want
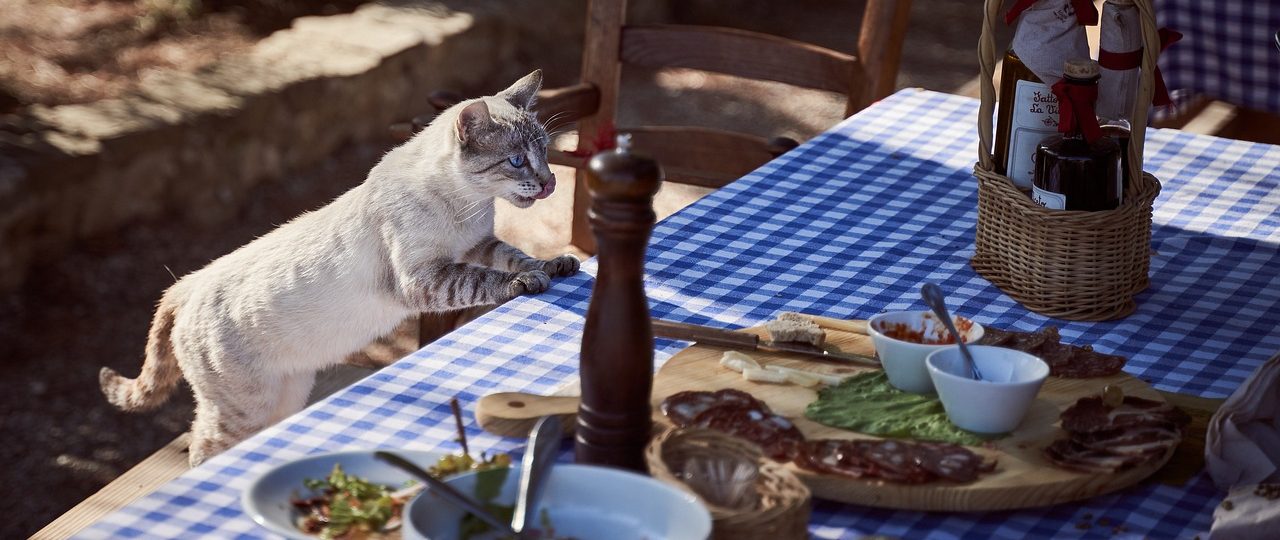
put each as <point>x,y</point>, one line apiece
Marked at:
<point>782,510</point>
<point>1083,266</point>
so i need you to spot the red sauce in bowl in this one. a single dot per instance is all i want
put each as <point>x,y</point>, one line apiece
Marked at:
<point>912,334</point>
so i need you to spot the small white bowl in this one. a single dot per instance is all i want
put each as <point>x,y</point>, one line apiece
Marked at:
<point>996,404</point>
<point>583,502</point>
<point>903,361</point>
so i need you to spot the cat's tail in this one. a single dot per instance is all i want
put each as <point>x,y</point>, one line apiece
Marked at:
<point>160,371</point>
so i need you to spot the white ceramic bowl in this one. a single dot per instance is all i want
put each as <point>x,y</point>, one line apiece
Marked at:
<point>267,498</point>
<point>996,404</point>
<point>583,502</point>
<point>903,361</point>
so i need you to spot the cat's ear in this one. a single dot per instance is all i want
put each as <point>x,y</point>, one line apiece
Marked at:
<point>524,92</point>
<point>472,118</point>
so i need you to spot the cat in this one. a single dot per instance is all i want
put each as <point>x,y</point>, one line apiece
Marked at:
<point>250,330</point>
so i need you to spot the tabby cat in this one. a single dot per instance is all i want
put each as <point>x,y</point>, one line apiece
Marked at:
<point>250,330</point>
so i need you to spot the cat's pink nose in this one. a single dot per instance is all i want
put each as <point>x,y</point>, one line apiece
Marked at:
<point>547,189</point>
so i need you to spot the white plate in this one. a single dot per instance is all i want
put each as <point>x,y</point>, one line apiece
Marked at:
<point>267,498</point>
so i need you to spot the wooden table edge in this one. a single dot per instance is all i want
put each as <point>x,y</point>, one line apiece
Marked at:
<point>159,468</point>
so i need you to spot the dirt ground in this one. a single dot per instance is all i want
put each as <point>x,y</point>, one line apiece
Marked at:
<point>56,52</point>
<point>61,441</point>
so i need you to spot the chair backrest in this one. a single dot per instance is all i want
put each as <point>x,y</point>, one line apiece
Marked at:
<point>704,156</point>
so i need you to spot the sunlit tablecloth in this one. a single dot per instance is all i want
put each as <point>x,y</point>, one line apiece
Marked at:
<point>847,225</point>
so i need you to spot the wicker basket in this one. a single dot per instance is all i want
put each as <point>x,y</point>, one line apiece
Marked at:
<point>1083,266</point>
<point>783,509</point>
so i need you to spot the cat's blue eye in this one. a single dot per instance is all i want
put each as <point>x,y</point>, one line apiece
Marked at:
<point>516,161</point>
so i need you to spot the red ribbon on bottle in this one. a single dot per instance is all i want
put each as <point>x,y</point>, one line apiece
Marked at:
<point>1086,12</point>
<point>1133,59</point>
<point>1075,109</point>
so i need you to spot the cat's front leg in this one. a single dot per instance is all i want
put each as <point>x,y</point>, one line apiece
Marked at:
<point>564,265</point>
<point>499,254</point>
<point>530,282</point>
<point>441,285</point>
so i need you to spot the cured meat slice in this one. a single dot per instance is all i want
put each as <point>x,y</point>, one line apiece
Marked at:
<point>1090,415</point>
<point>683,407</point>
<point>777,436</point>
<point>952,462</point>
<point>1069,454</point>
<point>895,461</point>
<point>1106,438</point>
<point>1064,360</point>
<point>830,456</point>
<point>1030,341</point>
<point>1086,363</point>
<point>1057,355</point>
<point>994,336</point>
<point>1141,441</point>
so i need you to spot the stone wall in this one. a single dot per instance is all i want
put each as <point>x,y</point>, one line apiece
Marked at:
<point>190,145</point>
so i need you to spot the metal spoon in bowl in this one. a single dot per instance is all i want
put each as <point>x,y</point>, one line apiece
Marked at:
<point>932,295</point>
<point>447,492</point>
<point>540,453</point>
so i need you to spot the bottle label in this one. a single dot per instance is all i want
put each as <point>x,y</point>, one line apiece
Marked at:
<point>1035,116</point>
<point>1048,199</point>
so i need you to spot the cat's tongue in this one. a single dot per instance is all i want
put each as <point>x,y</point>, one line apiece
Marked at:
<point>547,189</point>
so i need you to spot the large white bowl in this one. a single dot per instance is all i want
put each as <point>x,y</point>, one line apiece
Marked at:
<point>903,361</point>
<point>582,502</point>
<point>996,404</point>
<point>267,498</point>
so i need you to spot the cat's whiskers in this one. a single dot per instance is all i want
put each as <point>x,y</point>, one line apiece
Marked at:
<point>553,118</point>
<point>458,189</point>
<point>477,212</point>
<point>554,130</point>
<point>470,206</point>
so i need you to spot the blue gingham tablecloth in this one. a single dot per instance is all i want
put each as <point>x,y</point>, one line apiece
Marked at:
<point>1228,51</point>
<point>847,225</point>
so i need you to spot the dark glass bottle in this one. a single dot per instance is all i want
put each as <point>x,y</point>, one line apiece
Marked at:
<point>1027,111</point>
<point>1119,130</point>
<point>1120,35</point>
<point>1073,173</point>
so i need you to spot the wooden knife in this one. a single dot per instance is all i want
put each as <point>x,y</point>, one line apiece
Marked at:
<point>729,339</point>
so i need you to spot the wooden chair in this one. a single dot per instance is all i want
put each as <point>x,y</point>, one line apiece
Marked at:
<point>703,156</point>
<point>698,155</point>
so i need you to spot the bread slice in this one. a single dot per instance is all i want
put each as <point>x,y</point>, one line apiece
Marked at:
<point>796,328</point>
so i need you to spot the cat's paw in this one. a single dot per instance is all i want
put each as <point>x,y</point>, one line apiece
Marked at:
<point>564,265</point>
<point>531,282</point>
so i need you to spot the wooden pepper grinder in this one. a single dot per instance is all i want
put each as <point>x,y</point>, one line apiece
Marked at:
<point>614,418</point>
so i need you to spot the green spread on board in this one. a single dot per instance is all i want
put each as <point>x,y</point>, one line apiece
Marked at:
<point>867,403</point>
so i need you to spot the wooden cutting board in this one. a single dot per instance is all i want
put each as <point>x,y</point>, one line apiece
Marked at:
<point>1023,477</point>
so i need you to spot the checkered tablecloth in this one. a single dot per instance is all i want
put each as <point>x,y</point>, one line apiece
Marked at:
<point>1228,51</point>
<point>847,225</point>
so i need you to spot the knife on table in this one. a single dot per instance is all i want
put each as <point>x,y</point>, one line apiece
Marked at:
<point>729,339</point>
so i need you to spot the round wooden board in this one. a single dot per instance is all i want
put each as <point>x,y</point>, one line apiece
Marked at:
<point>1023,477</point>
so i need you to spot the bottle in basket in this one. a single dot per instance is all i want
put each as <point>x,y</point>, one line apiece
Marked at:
<point>1049,32</point>
<point>1078,169</point>
<point>1119,55</point>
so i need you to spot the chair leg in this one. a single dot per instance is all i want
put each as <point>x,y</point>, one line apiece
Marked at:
<point>580,227</point>
<point>433,326</point>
